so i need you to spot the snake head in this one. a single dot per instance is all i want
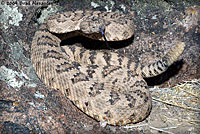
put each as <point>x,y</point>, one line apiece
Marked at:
<point>92,26</point>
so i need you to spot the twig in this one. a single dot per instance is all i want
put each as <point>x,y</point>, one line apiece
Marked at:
<point>161,130</point>
<point>188,108</point>
<point>134,126</point>
<point>192,94</point>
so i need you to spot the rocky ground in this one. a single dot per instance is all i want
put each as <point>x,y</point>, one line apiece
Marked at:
<point>28,106</point>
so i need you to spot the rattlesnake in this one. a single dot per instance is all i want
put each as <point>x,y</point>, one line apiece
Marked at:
<point>103,84</point>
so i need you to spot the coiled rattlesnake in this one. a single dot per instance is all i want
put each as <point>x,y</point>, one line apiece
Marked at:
<point>104,85</point>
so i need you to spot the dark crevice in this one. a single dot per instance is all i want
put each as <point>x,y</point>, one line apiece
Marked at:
<point>95,44</point>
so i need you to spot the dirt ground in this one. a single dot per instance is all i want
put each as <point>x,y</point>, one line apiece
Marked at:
<point>28,106</point>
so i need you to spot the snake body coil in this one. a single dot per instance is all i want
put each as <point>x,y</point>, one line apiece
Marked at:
<point>104,85</point>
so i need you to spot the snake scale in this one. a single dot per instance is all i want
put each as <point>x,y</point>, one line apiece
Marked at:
<point>103,84</point>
